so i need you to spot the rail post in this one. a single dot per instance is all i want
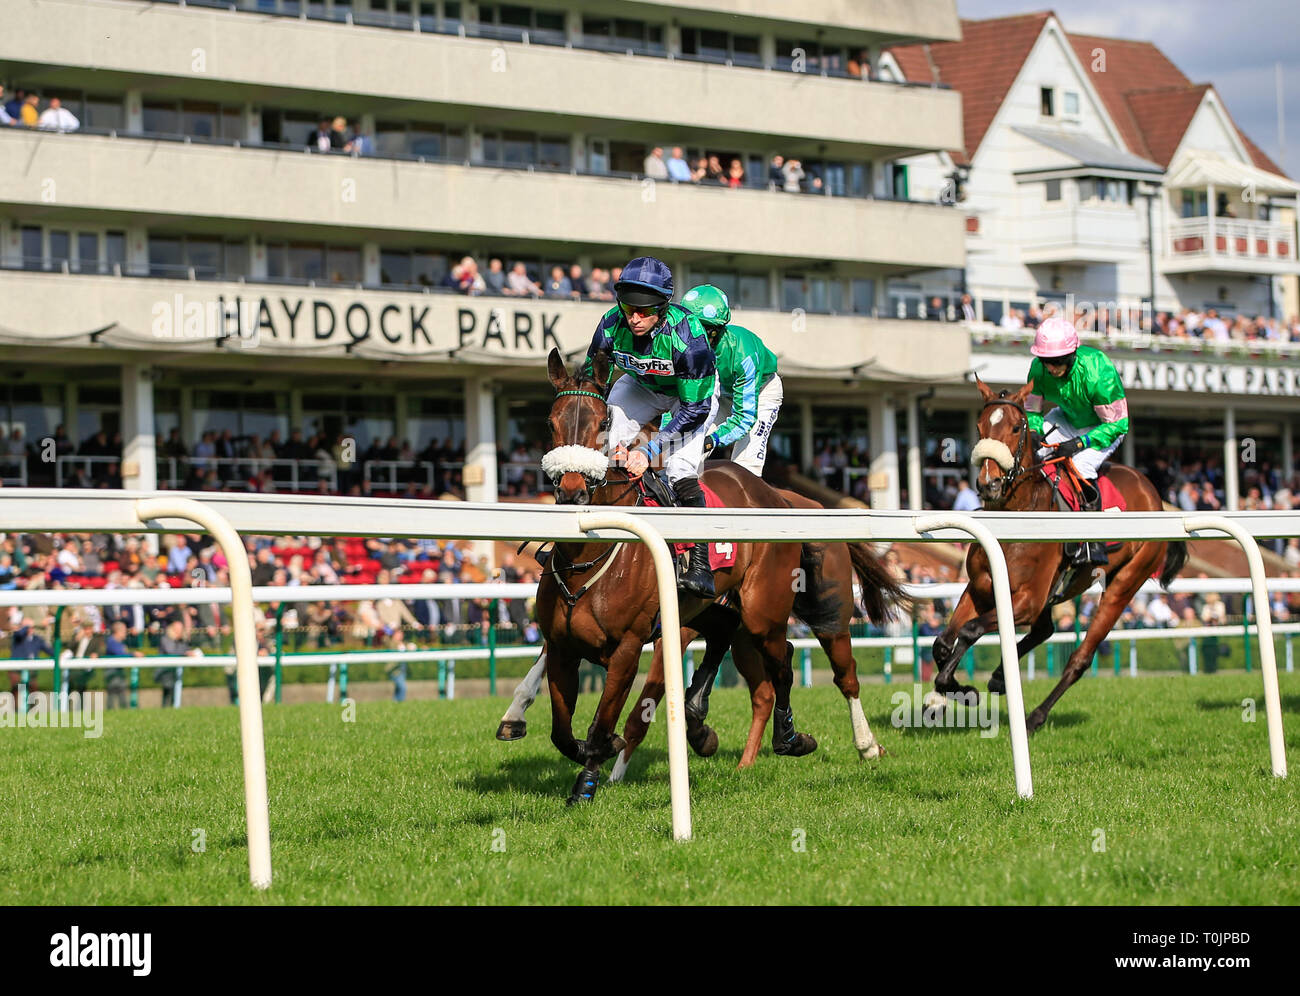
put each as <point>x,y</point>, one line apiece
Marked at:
<point>1263,622</point>
<point>56,682</point>
<point>1006,635</point>
<point>671,627</point>
<point>493,609</point>
<point>256,808</point>
<point>279,649</point>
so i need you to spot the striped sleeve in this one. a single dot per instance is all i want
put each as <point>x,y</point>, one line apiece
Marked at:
<point>744,404</point>
<point>696,377</point>
<point>601,342</point>
<point>1111,406</point>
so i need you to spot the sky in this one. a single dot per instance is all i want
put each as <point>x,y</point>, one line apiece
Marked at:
<point>1234,44</point>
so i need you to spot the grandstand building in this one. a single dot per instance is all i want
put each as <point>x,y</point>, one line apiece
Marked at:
<point>196,257</point>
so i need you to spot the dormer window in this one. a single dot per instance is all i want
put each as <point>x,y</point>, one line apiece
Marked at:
<point>1070,104</point>
<point>1047,102</point>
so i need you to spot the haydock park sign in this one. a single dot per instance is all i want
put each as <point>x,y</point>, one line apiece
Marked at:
<point>1209,378</point>
<point>419,324</point>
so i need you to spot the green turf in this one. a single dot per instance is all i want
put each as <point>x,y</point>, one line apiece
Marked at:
<point>404,805</point>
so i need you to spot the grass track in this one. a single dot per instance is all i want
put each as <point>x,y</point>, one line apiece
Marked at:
<point>401,806</point>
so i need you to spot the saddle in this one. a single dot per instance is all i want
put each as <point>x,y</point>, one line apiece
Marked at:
<point>1072,490</point>
<point>656,493</point>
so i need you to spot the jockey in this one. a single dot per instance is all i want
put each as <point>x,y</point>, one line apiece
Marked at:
<point>669,368</point>
<point>746,376</point>
<point>1090,415</point>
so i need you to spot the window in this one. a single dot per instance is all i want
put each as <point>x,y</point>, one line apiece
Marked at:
<point>754,291</point>
<point>1104,189</point>
<point>899,191</point>
<point>1071,103</point>
<point>811,57</point>
<point>412,268</point>
<point>87,252</point>
<point>166,256</point>
<point>720,46</point>
<point>864,296</point>
<point>288,127</point>
<point>343,265</point>
<point>103,112</point>
<point>1053,190</point>
<point>114,249</point>
<point>33,248</point>
<point>623,33</point>
<point>1047,102</point>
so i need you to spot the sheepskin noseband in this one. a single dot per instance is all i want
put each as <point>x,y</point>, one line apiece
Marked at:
<point>583,460</point>
<point>995,450</point>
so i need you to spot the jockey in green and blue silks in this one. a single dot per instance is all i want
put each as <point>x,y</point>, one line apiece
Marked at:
<point>1087,412</point>
<point>746,377</point>
<point>668,368</point>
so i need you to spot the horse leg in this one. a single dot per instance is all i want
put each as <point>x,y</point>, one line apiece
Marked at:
<point>761,695</point>
<point>719,630</point>
<point>562,680</point>
<point>953,642</point>
<point>513,726</point>
<point>1117,595</point>
<point>840,652</point>
<point>1042,628</point>
<point>602,743</point>
<point>786,740</point>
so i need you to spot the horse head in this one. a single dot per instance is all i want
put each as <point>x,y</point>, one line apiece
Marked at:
<point>1004,440</point>
<point>577,461</point>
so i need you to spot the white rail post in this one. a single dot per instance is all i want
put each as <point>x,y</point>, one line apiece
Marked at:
<point>1264,623</point>
<point>256,807</point>
<point>670,624</point>
<point>1006,636</point>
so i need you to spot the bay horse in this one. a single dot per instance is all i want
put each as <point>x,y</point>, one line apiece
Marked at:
<point>598,601</point>
<point>824,602</point>
<point>1008,482</point>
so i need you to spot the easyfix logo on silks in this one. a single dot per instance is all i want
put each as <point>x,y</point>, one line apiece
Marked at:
<point>102,950</point>
<point>652,366</point>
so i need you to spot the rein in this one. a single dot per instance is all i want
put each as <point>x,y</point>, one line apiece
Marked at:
<point>1019,472</point>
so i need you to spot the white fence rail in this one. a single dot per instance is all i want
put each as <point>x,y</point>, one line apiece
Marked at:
<point>227,515</point>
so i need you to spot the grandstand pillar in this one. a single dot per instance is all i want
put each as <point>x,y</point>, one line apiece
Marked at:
<point>134,111</point>
<point>370,268</point>
<point>1230,456</point>
<point>187,417</point>
<point>1129,450</point>
<point>139,454</point>
<point>252,124</point>
<point>806,442</point>
<point>480,471</point>
<point>884,453</point>
<point>295,408</point>
<point>767,48</point>
<point>915,485</point>
<point>70,404</point>
<point>1288,450</point>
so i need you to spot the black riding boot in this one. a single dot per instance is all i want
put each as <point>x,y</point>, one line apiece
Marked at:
<point>1091,553</point>
<point>697,579</point>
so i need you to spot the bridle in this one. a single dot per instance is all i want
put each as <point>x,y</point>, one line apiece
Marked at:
<point>1012,477</point>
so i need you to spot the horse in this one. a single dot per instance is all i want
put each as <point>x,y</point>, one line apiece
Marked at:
<point>824,602</point>
<point>1037,571</point>
<point>598,601</point>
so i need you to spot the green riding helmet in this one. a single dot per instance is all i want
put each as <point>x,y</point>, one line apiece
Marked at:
<point>710,305</point>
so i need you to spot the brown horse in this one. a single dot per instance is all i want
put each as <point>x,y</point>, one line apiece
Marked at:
<point>599,601</point>
<point>825,603</point>
<point>1008,482</point>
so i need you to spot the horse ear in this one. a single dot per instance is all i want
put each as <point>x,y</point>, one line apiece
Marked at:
<point>1020,396</point>
<point>986,391</point>
<point>600,370</point>
<point>555,368</point>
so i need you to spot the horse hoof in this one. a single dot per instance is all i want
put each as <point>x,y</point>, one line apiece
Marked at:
<point>997,686</point>
<point>871,752</point>
<point>706,743</point>
<point>584,789</point>
<point>801,744</point>
<point>511,729</point>
<point>617,745</point>
<point>935,700</point>
<point>620,767</point>
<point>1033,721</point>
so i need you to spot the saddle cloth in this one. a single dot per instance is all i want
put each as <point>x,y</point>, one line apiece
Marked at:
<point>721,555</point>
<point>1111,499</point>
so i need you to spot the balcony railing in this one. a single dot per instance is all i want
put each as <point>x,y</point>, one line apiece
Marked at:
<point>1231,238</point>
<point>985,333</point>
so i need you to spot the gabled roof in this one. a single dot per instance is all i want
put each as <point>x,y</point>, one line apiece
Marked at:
<point>1088,151</point>
<point>1145,94</point>
<point>982,67</point>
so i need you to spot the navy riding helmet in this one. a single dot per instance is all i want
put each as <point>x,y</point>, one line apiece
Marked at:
<point>646,282</point>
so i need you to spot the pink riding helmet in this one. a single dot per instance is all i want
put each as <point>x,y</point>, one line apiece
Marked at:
<point>1055,337</point>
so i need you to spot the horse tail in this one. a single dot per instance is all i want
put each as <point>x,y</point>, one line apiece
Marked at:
<point>881,594</point>
<point>1175,559</point>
